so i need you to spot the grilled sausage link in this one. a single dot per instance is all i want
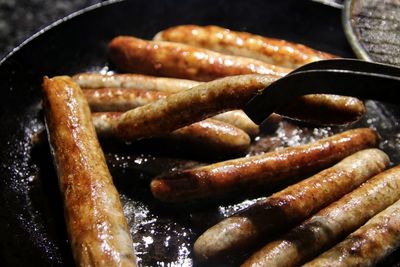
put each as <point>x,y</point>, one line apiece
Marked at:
<point>331,109</point>
<point>221,178</point>
<point>269,50</point>
<point>120,99</point>
<point>368,245</point>
<point>282,210</point>
<point>189,106</point>
<point>135,81</point>
<point>324,109</point>
<point>209,134</point>
<point>240,120</point>
<point>182,61</point>
<point>117,99</point>
<point>96,225</point>
<point>330,224</point>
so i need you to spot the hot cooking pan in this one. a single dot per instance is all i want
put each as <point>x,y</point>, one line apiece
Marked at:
<point>31,213</point>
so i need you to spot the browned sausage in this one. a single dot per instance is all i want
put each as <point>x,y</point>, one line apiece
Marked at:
<point>330,224</point>
<point>368,245</point>
<point>189,106</point>
<point>331,109</point>
<point>135,81</point>
<point>240,120</point>
<point>289,206</point>
<point>214,135</point>
<point>182,61</point>
<point>269,50</point>
<point>221,178</point>
<point>97,228</point>
<point>209,134</point>
<point>120,99</point>
<point>324,109</point>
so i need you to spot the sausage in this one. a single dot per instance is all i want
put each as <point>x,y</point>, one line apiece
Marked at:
<point>120,99</point>
<point>135,81</point>
<point>189,106</point>
<point>269,50</point>
<point>368,245</point>
<point>209,134</point>
<point>104,123</point>
<point>282,210</point>
<point>182,61</point>
<point>332,223</point>
<point>240,120</point>
<point>332,109</point>
<point>247,173</point>
<point>97,228</point>
<point>323,109</point>
<point>214,135</point>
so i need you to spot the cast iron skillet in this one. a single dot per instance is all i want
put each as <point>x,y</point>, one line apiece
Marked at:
<point>31,217</point>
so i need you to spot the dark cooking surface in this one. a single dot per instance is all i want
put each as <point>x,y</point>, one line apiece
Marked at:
<point>20,19</point>
<point>31,218</point>
<point>376,24</point>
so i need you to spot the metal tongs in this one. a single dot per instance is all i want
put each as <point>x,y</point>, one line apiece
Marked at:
<point>348,77</point>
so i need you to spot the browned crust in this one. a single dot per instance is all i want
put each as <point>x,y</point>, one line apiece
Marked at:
<point>189,106</point>
<point>324,109</point>
<point>136,81</point>
<point>182,61</point>
<point>96,225</point>
<point>270,50</point>
<point>330,224</point>
<point>368,245</point>
<point>214,135</point>
<point>246,173</point>
<point>283,209</point>
<point>120,99</point>
<point>209,134</point>
<point>332,109</point>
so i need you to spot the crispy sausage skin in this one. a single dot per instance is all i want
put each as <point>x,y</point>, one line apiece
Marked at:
<point>282,210</point>
<point>182,61</point>
<point>96,225</point>
<point>324,109</point>
<point>208,134</point>
<point>331,109</point>
<point>221,178</point>
<point>135,81</point>
<point>240,120</point>
<point>120,99</point>
<point>330,224</point>
<point>214,135</point>
<point>368,245</point>
<point>269,50</point>
<point>189,106</point>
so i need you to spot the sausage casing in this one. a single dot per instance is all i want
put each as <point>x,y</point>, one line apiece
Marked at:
<point>270,168</point>
<point>269,50</point>
<point>189,106</point>
<point>331,223</point>
<point>96,225</point>
<point>120,99</point>
<point>283,209</point>
<point>331,109</point>
<point>182,61</point>
<point>208,134</point>
<point>323,109</point>
<point>368,245</point>
<point>135,81</point>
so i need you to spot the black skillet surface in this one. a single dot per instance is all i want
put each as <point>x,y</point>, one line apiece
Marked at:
<point>31,218</point>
